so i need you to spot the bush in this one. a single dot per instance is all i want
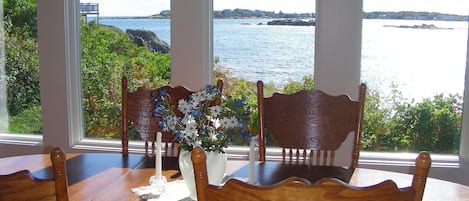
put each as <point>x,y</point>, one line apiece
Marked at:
<point>433,124</point>
<point>28,122</point>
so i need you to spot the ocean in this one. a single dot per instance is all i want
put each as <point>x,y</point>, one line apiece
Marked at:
<point>422,62</point>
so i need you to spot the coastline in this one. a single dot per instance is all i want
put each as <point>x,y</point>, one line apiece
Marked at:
<point>249,14</point>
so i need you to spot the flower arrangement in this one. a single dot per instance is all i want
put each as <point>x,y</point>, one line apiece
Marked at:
<point>201,123</point>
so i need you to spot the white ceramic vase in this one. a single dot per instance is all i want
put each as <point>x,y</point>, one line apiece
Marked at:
<point>216,168</point>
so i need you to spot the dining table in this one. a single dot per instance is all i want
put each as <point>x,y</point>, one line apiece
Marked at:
<point>112,176</point>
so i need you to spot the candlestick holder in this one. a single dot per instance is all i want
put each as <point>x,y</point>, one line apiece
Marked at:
<point>157,184</point>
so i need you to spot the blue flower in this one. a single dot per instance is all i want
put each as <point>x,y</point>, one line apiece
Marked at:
<point>162,92</point>
<point>196,113</point>
<point>239,102</point>
<point>213,89</point>
<point>158,111</point>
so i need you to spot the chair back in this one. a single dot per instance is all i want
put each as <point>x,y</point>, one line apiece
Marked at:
<point>310,126</point>
<point>23,186</point>
<point>300,189</point>
<point>137,110</point>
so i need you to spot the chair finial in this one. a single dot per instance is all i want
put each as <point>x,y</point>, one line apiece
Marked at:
<point>423,160</point>
<point>198,155</point>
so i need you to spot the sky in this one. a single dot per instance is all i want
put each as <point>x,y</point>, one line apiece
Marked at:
<point>150,7</point>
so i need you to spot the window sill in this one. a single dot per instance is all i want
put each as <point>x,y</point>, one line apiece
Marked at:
<point>21,139</point>
<point>406,159</point>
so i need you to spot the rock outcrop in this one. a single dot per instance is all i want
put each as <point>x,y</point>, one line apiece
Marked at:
<point>148,39</point>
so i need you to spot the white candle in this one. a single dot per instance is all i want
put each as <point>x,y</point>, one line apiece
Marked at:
<point>158,156</point>
<point>252,158</point>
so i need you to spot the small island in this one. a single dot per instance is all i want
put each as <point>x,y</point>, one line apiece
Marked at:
<point>422,26</point>
<point>292,22</point>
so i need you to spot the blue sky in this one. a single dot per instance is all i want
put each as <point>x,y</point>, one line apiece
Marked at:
<point>149,7</point>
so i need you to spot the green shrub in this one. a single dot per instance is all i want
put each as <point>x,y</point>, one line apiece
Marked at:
<point>433,124</point>
<point>28,122</point>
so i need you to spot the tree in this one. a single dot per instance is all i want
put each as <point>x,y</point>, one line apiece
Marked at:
<point>21,16</point>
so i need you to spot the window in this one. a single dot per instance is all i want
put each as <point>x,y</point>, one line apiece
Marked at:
<point>413,61</point>
<point>124,46</point>
<point>248,46</point>
<point>20,104</point>
<point>283,55</point>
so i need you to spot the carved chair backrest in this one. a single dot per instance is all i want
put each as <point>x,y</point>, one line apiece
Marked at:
<point>310,126</point>
<point>299,189</point>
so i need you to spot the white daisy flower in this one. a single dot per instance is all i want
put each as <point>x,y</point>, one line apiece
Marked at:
<point>215,110</point>
<point>234,122</point>
<point>184,107</point>
<point>224,122</point>
<point>216,123</point>
<point>198,96</point>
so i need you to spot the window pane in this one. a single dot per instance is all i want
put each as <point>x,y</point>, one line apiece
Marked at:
<point>414,64</point>
<point>109,52</point>
<point>248,47</point>
<point>20,108</point>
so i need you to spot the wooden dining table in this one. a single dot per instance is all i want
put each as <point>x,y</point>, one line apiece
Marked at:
<point>111,176</point>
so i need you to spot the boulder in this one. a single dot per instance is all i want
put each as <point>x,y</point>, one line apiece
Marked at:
<point>148,39</point>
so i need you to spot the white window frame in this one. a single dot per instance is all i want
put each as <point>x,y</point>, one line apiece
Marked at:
<point>60,82</point>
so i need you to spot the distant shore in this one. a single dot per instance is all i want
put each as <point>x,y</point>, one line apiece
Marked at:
<point>245,14</point>
<point>422,26</point>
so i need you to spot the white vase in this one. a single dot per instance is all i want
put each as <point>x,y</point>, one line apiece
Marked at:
<point>216,168</point>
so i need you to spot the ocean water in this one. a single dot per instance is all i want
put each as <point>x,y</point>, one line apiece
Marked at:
<point>421,62</point>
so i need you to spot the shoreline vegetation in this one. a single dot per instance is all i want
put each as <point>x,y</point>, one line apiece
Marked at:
<point>246,13</point>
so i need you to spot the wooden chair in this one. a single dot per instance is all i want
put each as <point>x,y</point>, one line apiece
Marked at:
<point>300,189</point>
<point>310,126</point>
<point>23,186</point>
<point>137,109</point>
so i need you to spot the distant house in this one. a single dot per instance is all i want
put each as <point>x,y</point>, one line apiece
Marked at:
<point>89,9</point>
